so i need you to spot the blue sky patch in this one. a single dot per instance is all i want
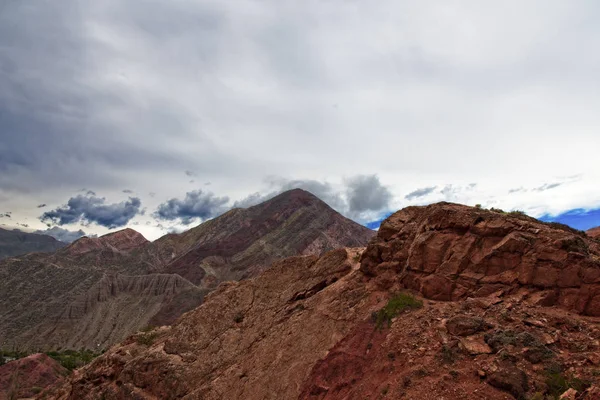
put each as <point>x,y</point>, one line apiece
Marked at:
<point>577,218</point>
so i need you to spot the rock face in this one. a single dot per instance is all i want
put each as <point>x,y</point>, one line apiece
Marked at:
<point>27,377</point>
<point>97,291</point>
<point>14,243</point>
<point>449,252</point>
<point>594,232</point>
<point>307,327</point>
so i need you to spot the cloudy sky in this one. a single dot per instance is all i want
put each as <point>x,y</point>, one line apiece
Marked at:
<point>160,114</point>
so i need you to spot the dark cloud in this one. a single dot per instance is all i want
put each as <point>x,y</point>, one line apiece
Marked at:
<point>23,225</point>
<point>366,193</point>
<point>190,173</point>
<point>5,215</point>
<point>64,235</point>
<point>252,200</point>
<point>127,191</point>
<point>517,190</point>
<point>360,194</point>
<point>42,205</point>
<point>196,205</point>
<point>92,209</point>
<point>420,193</point>
<point>322,190</point>
<point>548,186</point>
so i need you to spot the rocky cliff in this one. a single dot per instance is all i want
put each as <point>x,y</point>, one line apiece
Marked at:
<point>594,232</point>
<point>449,252</point>
<point>446,302</point>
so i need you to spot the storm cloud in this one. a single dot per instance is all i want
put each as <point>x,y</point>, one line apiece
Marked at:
<point>420,193</point>
<point>115,94</point>
<point>64,235</point>
<point>356,197</point>
<point>91,209</point>
<point>196,205</point>
<point>365,193</point>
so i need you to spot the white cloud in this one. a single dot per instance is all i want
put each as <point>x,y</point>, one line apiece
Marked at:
<point>113,94</point>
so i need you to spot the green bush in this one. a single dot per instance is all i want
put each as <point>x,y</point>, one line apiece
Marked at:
<point>558,383</point>
<point>146,339</point>
<point>397,304</point>
<point>73,359</point>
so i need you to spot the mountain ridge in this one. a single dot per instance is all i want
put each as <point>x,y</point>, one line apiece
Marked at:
<point>446,301</point>
<point>15,243</point>
<point>97,291</point>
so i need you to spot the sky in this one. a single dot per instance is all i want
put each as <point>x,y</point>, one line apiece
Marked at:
<point>158,115</point>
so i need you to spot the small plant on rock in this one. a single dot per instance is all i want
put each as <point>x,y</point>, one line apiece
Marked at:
<point>397,304</point>
<point>146,339</point>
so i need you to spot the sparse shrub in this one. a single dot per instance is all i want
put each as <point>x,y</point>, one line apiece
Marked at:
<point>448,355</point>
<point>238,317</point>
<point>146,339</point>
<point>558,383</point>
<point>517,213</point>
<point>73,359</point>
<point>478,206</point>
<point>576,245</point>
<point>537,396</point>
<point>397,304</point>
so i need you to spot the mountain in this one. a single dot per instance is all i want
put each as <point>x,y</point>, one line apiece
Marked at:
<point>594,232</point>
<point>447,301</point>
<point>243,242</point>
<point>15,243</point>
<point>97,291</point>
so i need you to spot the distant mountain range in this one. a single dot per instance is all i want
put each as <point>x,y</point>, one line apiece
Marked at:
<point>96,291</point>
<point>16,243</point>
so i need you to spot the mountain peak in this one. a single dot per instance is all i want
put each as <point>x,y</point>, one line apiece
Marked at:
<point>123,240</point>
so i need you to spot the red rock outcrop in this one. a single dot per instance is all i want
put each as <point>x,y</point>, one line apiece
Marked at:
<point>450,252</point>
<point>26,377</point>
<point>594,232</point>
